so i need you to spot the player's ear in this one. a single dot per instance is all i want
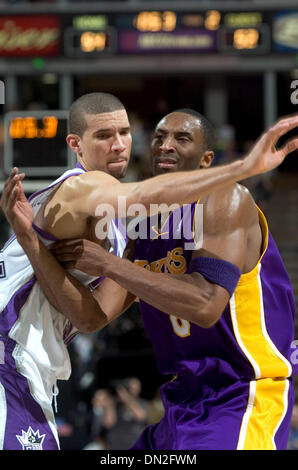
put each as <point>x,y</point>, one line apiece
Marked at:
<point>207,159</point>
<point>73,141</point>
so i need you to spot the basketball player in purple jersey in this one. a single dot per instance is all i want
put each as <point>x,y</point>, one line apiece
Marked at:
<point>220,318</point>
<point>63,291</point>
<point>34,332</point>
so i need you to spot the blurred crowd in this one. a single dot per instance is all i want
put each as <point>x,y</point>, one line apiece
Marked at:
<point>293,439</point>
<point>113,419</point>
<point>103,416</point>
<point>117,416</point>
<point>113,391</point>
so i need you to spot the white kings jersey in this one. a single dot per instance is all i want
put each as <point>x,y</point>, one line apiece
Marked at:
<point>40,332</point>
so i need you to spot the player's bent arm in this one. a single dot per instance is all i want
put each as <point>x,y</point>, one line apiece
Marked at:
<point>85,311</point>
<point>166,292</point>
<point>192,296</point>
<point>185,296</point>
<point>113,300</point>
<point>231,230</point>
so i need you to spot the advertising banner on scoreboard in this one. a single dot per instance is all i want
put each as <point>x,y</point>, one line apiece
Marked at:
<point>23,36</point>
<point>180,40</point>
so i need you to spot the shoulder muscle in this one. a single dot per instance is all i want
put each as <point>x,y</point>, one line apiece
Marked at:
<point>229,209</point>
<point>230,219</point>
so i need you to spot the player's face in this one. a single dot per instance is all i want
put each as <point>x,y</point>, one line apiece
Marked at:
<point>177,144</point>
<point>106,143</point>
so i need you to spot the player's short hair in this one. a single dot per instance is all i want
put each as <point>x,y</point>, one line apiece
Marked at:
<point>91,103</point>
<point>205,125</point>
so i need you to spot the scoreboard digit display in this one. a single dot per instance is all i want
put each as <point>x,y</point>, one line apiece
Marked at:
<point>155,21</point>
<point>35,143</point>
<point>166,32</point>
<point>209,31</point>
<point>89,36</point>
<point>249,40</point>
<point>89,42</point>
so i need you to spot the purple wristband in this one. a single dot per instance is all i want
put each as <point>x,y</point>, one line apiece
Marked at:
<point>218,271</point>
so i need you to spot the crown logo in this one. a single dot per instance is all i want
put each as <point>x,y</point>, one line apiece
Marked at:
<point>31,440</point>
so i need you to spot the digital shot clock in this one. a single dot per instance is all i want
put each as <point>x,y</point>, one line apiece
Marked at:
<point>35,142</point>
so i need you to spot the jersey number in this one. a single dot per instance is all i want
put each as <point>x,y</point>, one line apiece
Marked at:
<point>2,269</point>
<point>180,326</point>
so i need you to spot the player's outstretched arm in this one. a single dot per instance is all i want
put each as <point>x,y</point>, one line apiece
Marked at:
<point>93,192</point>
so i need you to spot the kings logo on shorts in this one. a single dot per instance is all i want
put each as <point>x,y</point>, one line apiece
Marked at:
<point>31,440</point>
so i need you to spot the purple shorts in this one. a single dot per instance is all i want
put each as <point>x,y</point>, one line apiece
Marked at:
<point>244,415</point>
<point>23,425</point>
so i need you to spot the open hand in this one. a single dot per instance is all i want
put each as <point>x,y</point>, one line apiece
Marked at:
<point>264,156</point>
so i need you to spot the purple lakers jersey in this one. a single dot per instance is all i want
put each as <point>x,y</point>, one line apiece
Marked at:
<point>253,339</point>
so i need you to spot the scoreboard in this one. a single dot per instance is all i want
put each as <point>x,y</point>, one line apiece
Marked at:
<point>35,140</point>
<point>169,32</point>
<point>212,31</point>
<point>35,143</point>
<point>142,32</point>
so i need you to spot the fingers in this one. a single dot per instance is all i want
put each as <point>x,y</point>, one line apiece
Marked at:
<point>9,183</point>
<point>68,265</point>
<point>59,253</point>
<point>14,176</point>
<point>282,127</point>
<point>68,244</point>
<point>67,251</point>
<point>12,198</point>
<point>64,247</point>
<point>76,245</point>
<point>64,253</point>
<point>11,190</point>
<point>13,179</point>
<point>14,172</point>
<point>289,146</point>
<point>65,257</point>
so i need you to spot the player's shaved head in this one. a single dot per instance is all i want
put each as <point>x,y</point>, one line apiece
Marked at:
<point>205,126</point>
<point>91,103</point>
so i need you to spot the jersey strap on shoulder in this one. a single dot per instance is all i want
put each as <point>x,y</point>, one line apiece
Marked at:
<point>218,271</point>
